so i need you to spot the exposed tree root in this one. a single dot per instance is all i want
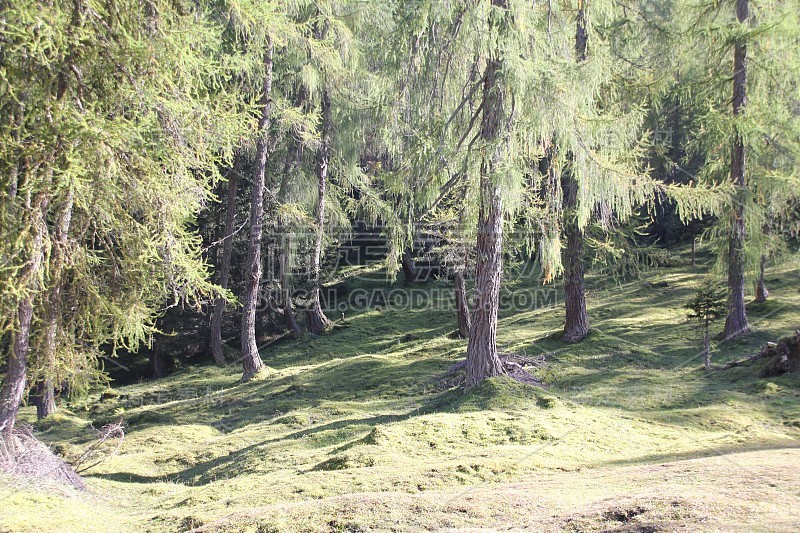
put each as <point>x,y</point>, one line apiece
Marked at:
<point>513,366</point>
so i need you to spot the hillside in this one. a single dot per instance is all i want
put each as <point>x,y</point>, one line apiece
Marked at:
<point>359,430</point>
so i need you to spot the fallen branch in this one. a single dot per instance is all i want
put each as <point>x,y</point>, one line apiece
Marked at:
<point>115,430</point>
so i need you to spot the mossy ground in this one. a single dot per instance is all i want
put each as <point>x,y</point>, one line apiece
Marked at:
<point>352,431</point>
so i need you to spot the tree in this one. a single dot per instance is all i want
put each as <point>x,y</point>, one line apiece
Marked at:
<point>483,360</point>
<point>746,83</point>
<point>708,305</point>
<point>251,359</point>
<point>736,323</point>
<point>284,235</point>
<point>105,171</point>
<point>225,263</point>
<point>576,324</point>
<point>317,321</point>
<point>52,302</point>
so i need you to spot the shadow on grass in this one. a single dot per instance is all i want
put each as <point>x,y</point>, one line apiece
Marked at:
<point>721,451</point>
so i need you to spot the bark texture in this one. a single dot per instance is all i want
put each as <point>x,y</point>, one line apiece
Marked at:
<point>462,306</point>
<point>576,323</point>
<point>225,264</point>
<point>44,393</point>
<point>317,321</point>
<point>251,360</point>
<point>158,363</point>
<point>45,399</point>
<point>482,358</point>
<point>17,363</point>
<point>736,323</point>
<point>761,285</point>
<point>409,269</point>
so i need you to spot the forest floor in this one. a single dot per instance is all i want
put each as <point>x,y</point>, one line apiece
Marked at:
<point>357,431</point>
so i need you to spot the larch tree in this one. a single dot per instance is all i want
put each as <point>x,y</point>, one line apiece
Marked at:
<point>227,234</point>
<point>251,359</point>
<point>315,317</point>
<point>576,323</point>
<point>736,323</point>
<point>746,81</point>
<point>483,360</point>
<point>116,138</point>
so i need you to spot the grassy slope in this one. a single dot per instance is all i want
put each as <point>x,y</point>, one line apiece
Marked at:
<point>350,431</point>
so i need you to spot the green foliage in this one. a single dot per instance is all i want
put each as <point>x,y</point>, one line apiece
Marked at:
<point>119,112</point>
<point>709,302</point>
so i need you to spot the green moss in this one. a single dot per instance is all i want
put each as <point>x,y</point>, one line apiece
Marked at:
<point>352,429</point>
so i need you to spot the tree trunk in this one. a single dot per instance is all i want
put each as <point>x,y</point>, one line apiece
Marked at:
<point>45,395</point>
<point>462,302</point>
<point>736,323</point>
<point>17,363</point>
<point>761,286</point>
<point>706,347</point>
<point>462,305</point>
<point>288,309</point>
<point>285,238</point>
<point>694,250</point>
<point>251,360</point>
<point>581,32</point>
<point>158,367</point>
<point>225,264</point>
<point>576,324</point>
<point>45,399</point>
<point>482,357</point>
<point>317,321</point>
<point>409,269</point>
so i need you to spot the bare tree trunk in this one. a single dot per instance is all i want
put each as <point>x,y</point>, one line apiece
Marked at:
<point>285,239</point>
<point>225,263</point>
<point>251,360</point>
<point>694,248</point>
<point>576,324</point>
<point>482,357</point>
<point>288,309</point>
<point>45,399</point>
<point>462,302</point>
<point>317,321</point>
<point>17,363</point>
<point>736,323</point>
<point>45,396</point>
<point>409,269</point>
<point>706,347</point>
<point>761,286</point>
<point>157,363</point>
<point>462,306</point>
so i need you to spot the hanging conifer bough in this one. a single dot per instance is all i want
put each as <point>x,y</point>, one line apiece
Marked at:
<point>117,128</point>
